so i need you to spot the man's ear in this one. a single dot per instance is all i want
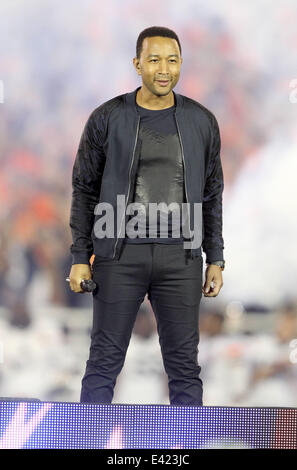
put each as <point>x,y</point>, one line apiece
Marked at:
<point>136,63</point>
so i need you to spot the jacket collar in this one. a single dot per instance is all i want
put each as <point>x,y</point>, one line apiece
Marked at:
<point>131,99</point>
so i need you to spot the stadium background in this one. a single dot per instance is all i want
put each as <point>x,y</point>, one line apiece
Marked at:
<point>61,60</point>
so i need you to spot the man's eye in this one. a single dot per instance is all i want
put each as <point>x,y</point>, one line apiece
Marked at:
<point>155,60</point>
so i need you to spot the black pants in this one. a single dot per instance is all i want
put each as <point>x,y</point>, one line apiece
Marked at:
<point>173,282</point>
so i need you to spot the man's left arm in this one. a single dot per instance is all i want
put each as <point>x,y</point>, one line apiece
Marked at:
<point>213,243</point>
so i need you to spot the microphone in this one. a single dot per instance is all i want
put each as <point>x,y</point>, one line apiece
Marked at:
<point>87,285</point>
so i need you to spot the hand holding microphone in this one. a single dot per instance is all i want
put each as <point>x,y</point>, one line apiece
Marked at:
<point>80,279</point>
<point>87,285</point>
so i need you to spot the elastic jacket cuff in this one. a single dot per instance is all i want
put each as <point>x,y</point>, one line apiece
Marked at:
<point>80,258</point>
<point>216,254</point>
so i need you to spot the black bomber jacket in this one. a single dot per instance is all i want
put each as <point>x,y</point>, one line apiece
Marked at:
<point>105,167</point>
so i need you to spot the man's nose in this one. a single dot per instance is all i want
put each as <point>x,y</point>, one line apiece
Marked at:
<point>163,67</point>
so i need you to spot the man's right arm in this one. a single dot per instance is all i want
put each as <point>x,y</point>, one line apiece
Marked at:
<point>86,184</point>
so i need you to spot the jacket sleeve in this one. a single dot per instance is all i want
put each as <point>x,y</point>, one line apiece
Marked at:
<point>86,184</point>
<point>213,243</point>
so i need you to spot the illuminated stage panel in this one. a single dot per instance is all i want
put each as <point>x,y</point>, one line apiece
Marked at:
<point>34,424</point>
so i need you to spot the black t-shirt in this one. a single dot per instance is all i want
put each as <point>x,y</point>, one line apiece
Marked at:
<point>159,177</point>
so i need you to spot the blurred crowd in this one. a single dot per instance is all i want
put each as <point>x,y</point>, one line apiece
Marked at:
<point>247,358</point>
<point>48,96</point>
<point>253,365</point>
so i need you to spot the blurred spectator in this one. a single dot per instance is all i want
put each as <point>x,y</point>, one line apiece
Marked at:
<point>221,357</point>
<point>273,376</point>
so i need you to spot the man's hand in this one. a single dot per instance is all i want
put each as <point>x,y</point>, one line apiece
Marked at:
<point>213,274</point>
<point>79,272</point>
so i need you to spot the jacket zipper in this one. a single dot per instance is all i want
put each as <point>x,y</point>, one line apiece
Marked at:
<point>182,149</point>
<point>137,130</point>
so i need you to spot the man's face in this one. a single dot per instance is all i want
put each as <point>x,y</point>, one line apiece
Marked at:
<point>159,61</point>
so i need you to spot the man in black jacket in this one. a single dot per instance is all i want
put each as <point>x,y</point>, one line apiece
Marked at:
<point>151,146</point>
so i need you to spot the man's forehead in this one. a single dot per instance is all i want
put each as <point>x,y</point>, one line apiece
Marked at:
<point>161,50</point>
<point>156,42</point>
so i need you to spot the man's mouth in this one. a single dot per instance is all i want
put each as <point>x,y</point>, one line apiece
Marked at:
<point>162,82</point>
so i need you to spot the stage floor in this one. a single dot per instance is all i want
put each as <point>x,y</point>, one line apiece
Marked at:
<point>32,424</point>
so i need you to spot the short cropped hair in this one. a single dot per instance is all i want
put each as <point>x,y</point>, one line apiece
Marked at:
<point>155,31</point>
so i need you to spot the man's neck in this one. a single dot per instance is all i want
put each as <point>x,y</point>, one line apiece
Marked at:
<point>154,103</point>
